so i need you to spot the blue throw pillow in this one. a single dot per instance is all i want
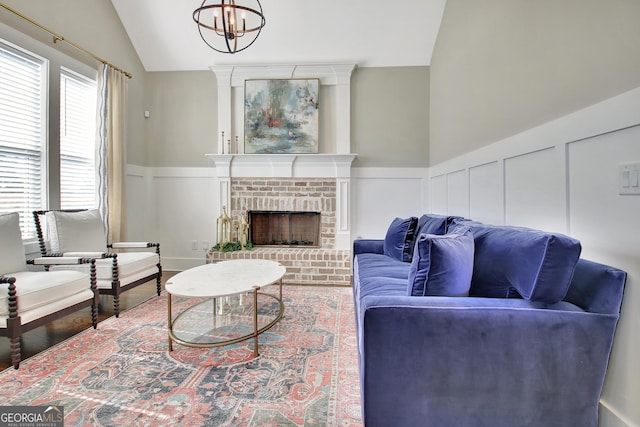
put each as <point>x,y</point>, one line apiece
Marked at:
<point>432,224</point>
<point>436,224</point>
<point>400,238</point>
<point>442,265</point>
<point>521,262</point>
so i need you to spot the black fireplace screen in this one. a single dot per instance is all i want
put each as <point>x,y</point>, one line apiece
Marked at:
<point>285,228</point>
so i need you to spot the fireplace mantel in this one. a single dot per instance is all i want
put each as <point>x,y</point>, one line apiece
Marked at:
<point>282,165</point>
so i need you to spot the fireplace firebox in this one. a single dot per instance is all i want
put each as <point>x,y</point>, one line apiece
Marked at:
<point>285,228</point>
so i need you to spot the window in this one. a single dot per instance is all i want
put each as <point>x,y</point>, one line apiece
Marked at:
<point>22,134</point>
<point>77,141</point>
<point>28,113</point>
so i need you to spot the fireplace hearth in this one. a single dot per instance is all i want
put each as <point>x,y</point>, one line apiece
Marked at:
<point>284,228</point>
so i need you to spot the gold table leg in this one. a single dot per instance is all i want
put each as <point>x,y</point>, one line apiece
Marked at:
<point>170,324</point>
<point>255,321</point>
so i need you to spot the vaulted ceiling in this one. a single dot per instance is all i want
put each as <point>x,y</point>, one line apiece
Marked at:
<point>370,33</point>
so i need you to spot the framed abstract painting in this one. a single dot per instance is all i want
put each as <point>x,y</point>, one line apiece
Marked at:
<point>281,116</point>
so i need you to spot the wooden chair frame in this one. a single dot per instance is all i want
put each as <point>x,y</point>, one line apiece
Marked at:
<point>15,328</point>
<point>116,289</point>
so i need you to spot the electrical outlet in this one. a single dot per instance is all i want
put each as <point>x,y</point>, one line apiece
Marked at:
<point>205,245</point>
<point>194,245</point>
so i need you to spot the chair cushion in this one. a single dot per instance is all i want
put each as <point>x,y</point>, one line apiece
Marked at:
<point>442,265</point>
<point>12,255</point>
<point>76,231</point>
<point>128,263</point>
<point>131,266</point>
<point>522,262</point>
<point>400,238</point>
<point>40,288</point>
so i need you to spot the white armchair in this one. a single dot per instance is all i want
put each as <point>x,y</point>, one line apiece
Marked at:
<point>29,299</point>
<point>82,233</point>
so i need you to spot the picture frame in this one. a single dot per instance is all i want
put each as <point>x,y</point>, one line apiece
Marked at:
<point>281,116</point>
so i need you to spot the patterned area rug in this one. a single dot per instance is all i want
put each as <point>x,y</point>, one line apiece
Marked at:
<point>122,373</point>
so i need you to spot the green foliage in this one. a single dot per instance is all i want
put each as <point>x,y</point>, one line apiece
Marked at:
<point>231,247</point>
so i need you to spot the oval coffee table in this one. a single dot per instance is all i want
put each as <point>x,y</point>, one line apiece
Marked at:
<point>230,289</point>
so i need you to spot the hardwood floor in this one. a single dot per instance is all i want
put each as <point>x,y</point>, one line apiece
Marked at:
<point>39,339</point>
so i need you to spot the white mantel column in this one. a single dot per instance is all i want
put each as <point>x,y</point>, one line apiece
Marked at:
<point>343,108</point>
<point>223,184</point>
<point>225,124</point>
<point>343,202</point>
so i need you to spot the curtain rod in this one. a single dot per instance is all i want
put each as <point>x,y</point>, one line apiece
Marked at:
<point>58,37</point>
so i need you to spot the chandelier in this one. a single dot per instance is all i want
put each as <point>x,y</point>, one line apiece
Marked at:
<point>223,25</point>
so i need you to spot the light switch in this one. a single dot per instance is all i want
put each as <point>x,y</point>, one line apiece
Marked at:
<point>629,178</point>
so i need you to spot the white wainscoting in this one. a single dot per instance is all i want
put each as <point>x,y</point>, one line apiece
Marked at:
<point>173,206</point>
<point>381,194</point>
<point>564,176</point>
<point>485,193</point>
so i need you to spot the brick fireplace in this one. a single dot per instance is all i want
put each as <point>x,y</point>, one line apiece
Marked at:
<point>295,195</point>
<point>328,262</point>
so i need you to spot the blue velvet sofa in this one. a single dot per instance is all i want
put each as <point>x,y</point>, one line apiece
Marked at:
<point>465,324</point>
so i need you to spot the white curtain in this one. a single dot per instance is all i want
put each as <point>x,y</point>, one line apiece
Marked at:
<point>112,102</point>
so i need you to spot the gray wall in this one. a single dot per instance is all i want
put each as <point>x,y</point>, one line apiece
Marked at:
<point>182,126</point>
<point>503,66</point>
<point>389,116</point>
<point>389,109</point>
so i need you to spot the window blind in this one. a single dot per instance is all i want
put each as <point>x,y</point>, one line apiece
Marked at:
<point>77,141</point>
<point>22,134</point>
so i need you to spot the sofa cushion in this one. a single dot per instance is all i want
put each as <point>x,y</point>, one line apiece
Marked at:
<point>378,286</point>
<point>521,262</point>
<point>442,265</point>
<point>12,255</point>
<point>377,265</point>
<point>76,231</point>
<point>400,238</point>
<point>432,224</point>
